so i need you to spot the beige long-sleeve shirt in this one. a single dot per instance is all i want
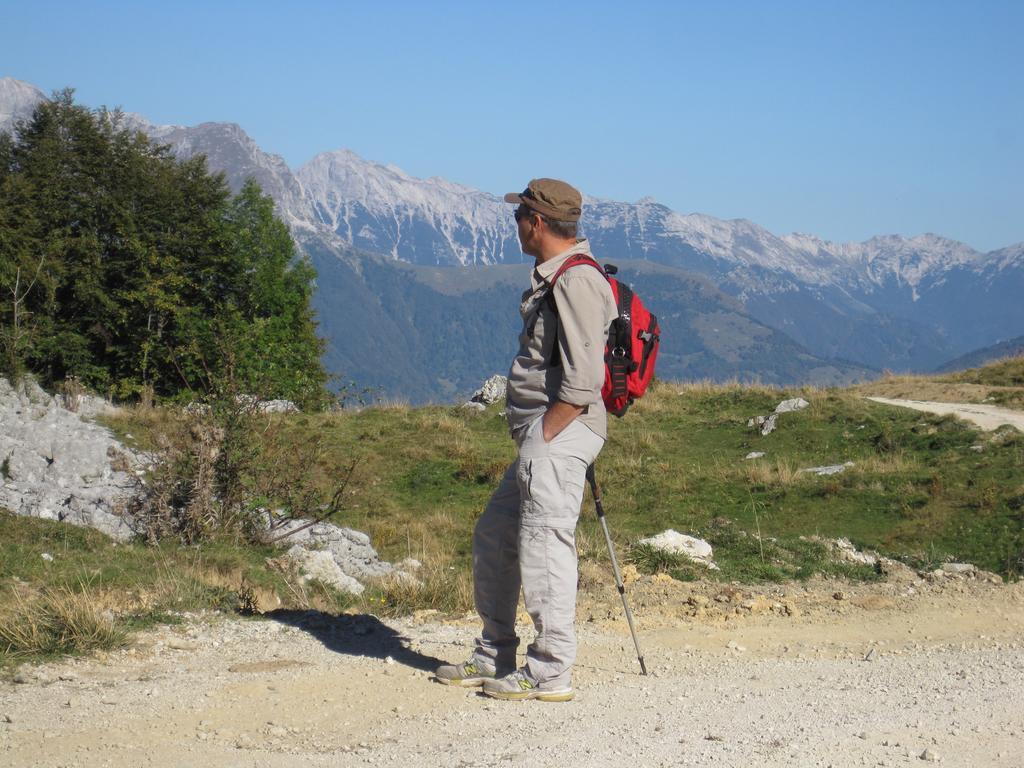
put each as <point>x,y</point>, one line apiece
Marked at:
<point>585,307</point>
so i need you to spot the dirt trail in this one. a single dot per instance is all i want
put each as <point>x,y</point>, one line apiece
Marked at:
<point>826,674</point>
<point>988,417</point>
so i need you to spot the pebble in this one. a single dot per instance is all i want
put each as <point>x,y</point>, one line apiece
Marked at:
<point>929,757</point>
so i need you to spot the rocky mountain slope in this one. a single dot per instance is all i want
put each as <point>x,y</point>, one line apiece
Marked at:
<point>890,302</point>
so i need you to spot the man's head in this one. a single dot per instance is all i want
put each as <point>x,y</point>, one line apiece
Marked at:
<point>547,217</point>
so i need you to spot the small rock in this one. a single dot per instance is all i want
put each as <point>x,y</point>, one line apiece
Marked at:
<point>732,645</point>
<point>831,469</point>
<point>769,425</point>
<point>677,543</point>
<point>788,406</point>
<point>960,569</point>
<point>753,455</point>
<point>492,390</point>
<point>8,719</point>
<point>470,405</point>
<point>839,595</point>
<point>21,679</point>
<point>846,551</point>
<point>870,655</point>
<point>929,757</point>
<point>47,557</point>
<point>181,645</point>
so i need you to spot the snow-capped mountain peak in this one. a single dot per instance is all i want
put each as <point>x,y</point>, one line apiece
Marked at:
<point>17,101</point>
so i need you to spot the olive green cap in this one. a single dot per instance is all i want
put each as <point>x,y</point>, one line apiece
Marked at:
<point>551,197</point>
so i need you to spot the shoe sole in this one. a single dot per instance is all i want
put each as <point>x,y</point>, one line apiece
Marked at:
<point>527,695</point>
<point>467,682</point>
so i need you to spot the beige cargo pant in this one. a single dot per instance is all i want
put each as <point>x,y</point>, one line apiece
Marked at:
<point>526,538</point>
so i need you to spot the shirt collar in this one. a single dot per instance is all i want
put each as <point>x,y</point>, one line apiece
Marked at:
<point>545,270</point>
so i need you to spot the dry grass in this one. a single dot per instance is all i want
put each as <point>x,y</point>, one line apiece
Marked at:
<point>58,621</point>
<point>997,382</point>
<point>393,406</point>
<point>707,388</point>
<point>886,464</point>
<point>444,423</point>
<point>437,587</point>
<point>780,473</point>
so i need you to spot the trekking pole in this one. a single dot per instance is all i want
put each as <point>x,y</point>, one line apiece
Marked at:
<point>615,564</point>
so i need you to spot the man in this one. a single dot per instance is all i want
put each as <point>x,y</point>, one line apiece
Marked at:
<point>526,535</point>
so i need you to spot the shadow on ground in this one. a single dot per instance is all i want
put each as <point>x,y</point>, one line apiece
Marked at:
<point>356,635</point>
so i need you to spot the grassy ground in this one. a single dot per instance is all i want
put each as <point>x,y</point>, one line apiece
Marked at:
<point>999,383</point>
<point>922,488</point>
<point>919,487</point>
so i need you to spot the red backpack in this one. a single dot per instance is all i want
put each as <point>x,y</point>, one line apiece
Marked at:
<point>633,338</point>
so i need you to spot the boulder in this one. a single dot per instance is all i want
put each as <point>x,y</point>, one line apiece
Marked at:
<point>677,543</point>
<point>278,406</point>
<point>492,390</point>
<point>788,406</point>
<point>320,565</point>
<point>351,550</point>
<point>56,466</point>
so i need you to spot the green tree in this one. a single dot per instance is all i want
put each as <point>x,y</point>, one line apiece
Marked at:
<point>130,269</point>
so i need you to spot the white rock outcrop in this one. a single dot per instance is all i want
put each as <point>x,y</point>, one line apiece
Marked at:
<point>788,406</point>
<point>831,469</point>
<point>492,390</point>
<point>677,543</point>
<point>56,466</point>
<point>321,566</point>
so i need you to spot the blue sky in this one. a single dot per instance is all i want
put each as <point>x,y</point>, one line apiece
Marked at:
<point>843,119</point>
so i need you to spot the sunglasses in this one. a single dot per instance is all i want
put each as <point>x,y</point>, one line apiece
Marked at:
<point>521,213</point>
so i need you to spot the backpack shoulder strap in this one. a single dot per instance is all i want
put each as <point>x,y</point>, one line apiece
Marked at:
<point>575,260</point>
<point>549,297</point>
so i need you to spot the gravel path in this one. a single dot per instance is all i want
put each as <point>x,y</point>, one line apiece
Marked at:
<point>988,417</point>
<point>882,675</point>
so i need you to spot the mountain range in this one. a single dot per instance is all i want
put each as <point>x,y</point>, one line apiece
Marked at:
<point>419,278</point>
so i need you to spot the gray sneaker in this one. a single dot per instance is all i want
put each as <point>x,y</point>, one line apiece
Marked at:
<point>468,674</point>
<point>518,687</point>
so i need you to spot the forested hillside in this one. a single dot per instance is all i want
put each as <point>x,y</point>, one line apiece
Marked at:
<point>135,272</point>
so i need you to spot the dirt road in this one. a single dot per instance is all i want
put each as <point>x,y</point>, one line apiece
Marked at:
<point>824,675</point>
<point>988,417</point>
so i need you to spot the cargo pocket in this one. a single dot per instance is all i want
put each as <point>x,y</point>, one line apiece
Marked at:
<point>524,472</point>
<point>554,492</point>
